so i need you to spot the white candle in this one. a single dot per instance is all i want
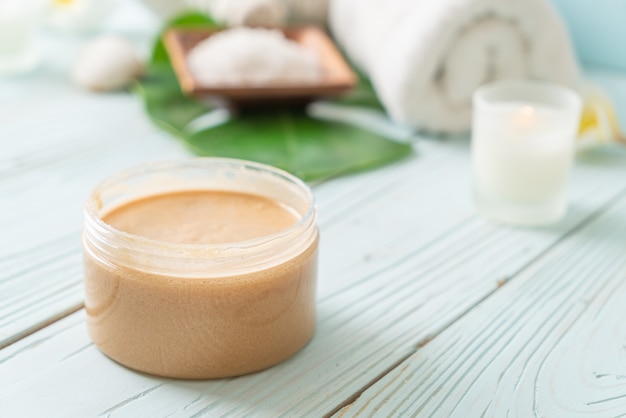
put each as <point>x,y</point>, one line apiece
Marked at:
<point>522,148</point>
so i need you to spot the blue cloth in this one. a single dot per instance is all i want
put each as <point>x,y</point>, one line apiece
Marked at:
<point>598,30</point>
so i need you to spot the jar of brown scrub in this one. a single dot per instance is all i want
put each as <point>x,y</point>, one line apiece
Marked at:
<point>200,268</point>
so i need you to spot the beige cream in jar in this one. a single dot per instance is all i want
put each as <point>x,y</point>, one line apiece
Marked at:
<point>200,268</point>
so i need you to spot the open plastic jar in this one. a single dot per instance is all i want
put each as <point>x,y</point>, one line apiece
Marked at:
<point>200,310</point>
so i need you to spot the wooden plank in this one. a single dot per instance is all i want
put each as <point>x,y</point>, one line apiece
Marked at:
<point>56,142</point>
<point>401,283</point>
<point>47,169</point>
<point>551,343</point>
<point>44,180</point>
<point>68,162</point>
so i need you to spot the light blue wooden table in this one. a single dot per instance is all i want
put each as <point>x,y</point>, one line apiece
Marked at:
<point>424,307</point>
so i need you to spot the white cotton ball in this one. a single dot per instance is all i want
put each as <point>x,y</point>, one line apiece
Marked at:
<point>265,12</point>
<point>168,9</point>
<point>307,11</point>
<point>249,12</point>
<point>107,63</point>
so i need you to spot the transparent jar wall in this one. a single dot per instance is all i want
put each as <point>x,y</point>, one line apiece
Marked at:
<point>250,309</point>
<point>202,174</point>
<point>111,246</point>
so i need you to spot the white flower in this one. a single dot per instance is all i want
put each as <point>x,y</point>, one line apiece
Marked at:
<point>79,15</point>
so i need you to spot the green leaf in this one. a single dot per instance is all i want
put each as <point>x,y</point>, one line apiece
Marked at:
<point>159,53</point>
<point>163,99</point>
<point>310,148</point>
<point>363,95</point>
<point>165,103</point>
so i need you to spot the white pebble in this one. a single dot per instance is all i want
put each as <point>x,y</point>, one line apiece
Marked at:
<point>107,63</point>
<point>253,57</point>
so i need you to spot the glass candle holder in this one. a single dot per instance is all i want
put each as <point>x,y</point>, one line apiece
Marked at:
<point>197,310</point>
<point>523,144</point>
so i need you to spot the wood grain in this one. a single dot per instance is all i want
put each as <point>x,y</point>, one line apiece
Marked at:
<point>388,284</point>
<point>44,179</point>
<point>551,344</point>
<point>493,320</point>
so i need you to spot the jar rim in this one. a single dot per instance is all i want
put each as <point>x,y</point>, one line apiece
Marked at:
<point>91,205</point>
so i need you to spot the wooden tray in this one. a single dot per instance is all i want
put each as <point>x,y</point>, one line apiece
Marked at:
<point>337,77</point>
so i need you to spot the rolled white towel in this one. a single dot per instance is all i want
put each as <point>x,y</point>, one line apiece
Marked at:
<point>425,58</point>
